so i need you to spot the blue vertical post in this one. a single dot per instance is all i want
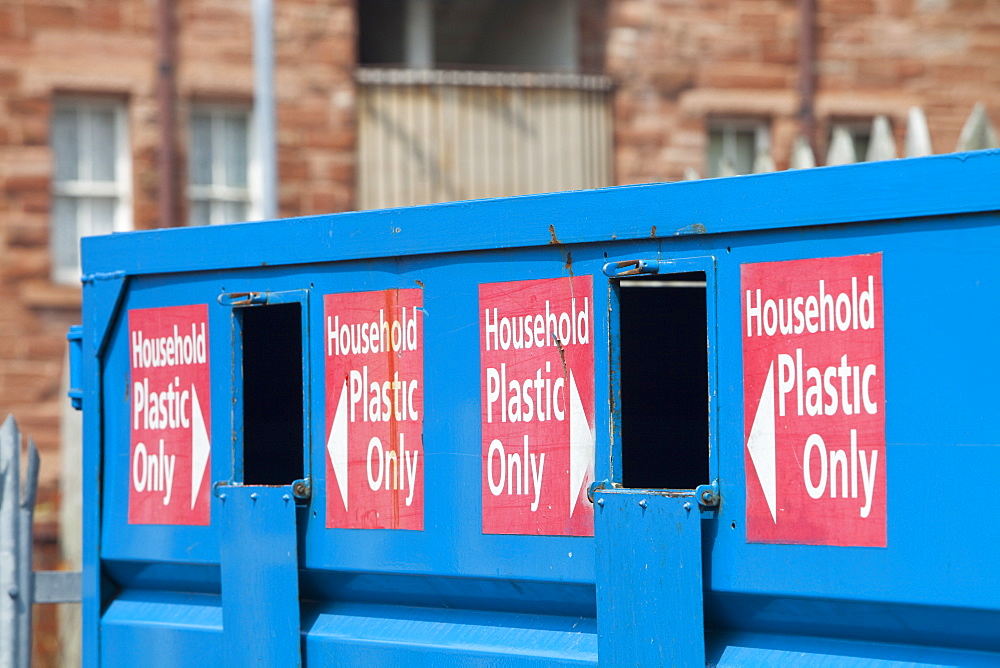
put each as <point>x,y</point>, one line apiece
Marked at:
<point>650,603</point>
<point>258,554</point>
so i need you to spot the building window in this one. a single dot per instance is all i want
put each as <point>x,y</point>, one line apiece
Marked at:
<point>470,34</point>
<point>91,186</point>
<point>738,147</point>
<point>220,166</point>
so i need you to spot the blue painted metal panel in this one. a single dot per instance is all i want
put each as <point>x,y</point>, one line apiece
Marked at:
<point>382,596</point>
<point>373,634</point>
<point>260,576</point>
<point>952,184</point>
<point>652,542</point>
<point>162,629</point>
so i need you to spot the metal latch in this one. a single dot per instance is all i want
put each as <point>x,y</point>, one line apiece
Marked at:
<point>243,298</point>
<point>647,267</point>
<point>631,268</point>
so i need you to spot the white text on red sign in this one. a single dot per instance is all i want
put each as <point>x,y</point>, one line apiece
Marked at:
<point>537,391</point>
<point>813,355</point>
<point>374,363</point>
<point>170,450</point>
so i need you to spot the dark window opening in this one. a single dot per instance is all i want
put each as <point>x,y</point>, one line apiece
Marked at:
<point>272,394</point>
<point>664,381</point>
<point>523,35</point>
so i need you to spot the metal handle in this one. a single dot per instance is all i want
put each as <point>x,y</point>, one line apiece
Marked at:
<point>631,268</point>
<point>75,393</point>
<point>243,298</point>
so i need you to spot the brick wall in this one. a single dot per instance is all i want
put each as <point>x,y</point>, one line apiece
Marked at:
<point>314,64</point>
<point>679,62</point>
<point>108,48</point>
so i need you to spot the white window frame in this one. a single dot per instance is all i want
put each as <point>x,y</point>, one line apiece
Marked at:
<point>729,128</point>
<point>221,193</point>
<point>82,188</point>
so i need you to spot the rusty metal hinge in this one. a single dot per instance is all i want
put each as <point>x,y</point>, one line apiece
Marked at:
<point>708,495</point>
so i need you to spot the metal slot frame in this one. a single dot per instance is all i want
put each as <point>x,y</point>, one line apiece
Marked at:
<point>301,487</point>
<point>625,270</point>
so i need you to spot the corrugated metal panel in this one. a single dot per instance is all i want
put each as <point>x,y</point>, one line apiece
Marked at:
<point>429,137</point>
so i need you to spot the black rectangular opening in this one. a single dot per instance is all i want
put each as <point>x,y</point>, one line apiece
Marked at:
<point>272,394</point>
<point>663,324</point>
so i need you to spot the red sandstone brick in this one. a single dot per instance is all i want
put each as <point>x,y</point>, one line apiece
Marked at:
<point>41,293</point>
<point>47,15</point>
<point>9,79</point>
<point>29,106</point>
<point>36,202</point>
<point>48,347</point>
<point>20,184</point>
<point>341,173</point>
<point>104,16</point>
<point>26,263</point>
<point>30,232</point>
<point>9,23</point>
<point>291,169</point>
<point>741,75</point>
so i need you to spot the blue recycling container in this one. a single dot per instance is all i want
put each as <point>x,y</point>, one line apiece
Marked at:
<point>731,422</point>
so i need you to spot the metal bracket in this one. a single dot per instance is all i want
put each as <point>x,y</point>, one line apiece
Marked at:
<point>302,489</point>
<point>75,338</point>
<point>631,268</point>
<point>708,495</point>
<point>57,586</point>
<point>594,486</point>
<point>243,298</point>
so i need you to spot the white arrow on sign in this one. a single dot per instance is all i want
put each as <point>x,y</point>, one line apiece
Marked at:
<point>201,447</point>
<point>336,445</point>
<point>761,444</point>
<point>581,445</point>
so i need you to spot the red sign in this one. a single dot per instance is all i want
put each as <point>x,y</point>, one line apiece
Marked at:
<point>375,410</point>
<point>537,386</point>
<point>170,415</point>
<point>814,401</point>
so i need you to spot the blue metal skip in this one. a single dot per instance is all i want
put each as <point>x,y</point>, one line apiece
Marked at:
<point>179,560</point>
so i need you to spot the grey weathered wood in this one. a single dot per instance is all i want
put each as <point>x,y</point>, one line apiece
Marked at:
<point>763,163</point>
<point>802,155</point>
<point>70,519</point>
<point>882,145</point>
<point>918,135</point>
<point>977,133</point>
<point>841,151</point>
